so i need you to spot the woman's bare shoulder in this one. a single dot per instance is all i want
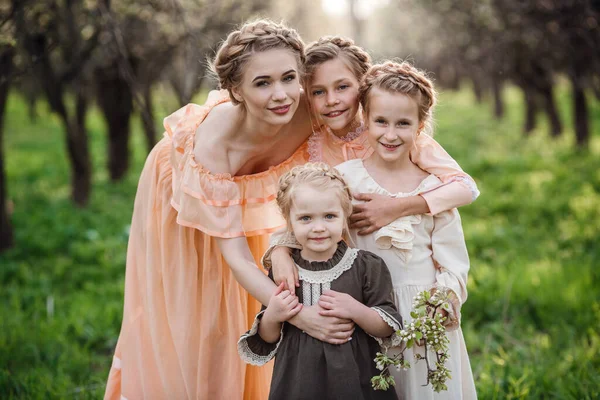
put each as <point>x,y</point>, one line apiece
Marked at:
<point>211,140</point>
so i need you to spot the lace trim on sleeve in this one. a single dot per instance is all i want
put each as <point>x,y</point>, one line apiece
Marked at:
<point>286,239</point>
<point>246,354</point>
<point>470,183</point>
<point>393,340</point>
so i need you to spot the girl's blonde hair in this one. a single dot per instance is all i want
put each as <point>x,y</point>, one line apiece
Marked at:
<point>401,78</point>
<point>252,37</point>
<point>318,175</point>
<point>331,47</point>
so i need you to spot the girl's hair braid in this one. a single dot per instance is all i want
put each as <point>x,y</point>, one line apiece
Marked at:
<point>319,175</point>
<point>401,78</point>
<point>331,47</point>
<point>252,37</point>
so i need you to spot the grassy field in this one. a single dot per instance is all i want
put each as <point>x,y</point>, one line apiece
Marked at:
<point>531,321</point>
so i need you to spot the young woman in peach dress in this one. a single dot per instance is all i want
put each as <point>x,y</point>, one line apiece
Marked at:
<point>203,211</point>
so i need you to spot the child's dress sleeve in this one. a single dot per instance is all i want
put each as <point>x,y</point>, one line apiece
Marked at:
<point>378,294</point>
<point>458,188</point>
<point>451,260</point>
<point>252,348</point>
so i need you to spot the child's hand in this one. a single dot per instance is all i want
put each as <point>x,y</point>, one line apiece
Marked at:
<point>336,304</point>
<point>376,212</point>
<point>282,305</point>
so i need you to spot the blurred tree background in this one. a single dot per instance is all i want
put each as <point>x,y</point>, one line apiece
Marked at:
<point>84,85</point>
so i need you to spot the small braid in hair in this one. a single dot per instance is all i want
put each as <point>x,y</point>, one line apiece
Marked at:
<point>401,78</point>
<point>319,175</point>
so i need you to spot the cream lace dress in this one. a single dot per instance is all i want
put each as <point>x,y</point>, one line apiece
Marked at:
<point>421,252</point>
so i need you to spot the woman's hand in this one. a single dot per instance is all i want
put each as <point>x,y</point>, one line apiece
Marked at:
<point>284,269</point>
<point>380,210</point>
<point>336,304</point>
<point>327,329</point>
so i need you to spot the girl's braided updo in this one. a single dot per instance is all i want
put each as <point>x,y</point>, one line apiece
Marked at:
<point>251,38</point>
<point>317,175</point>
<point>331,47</point>
<point>401,78</point>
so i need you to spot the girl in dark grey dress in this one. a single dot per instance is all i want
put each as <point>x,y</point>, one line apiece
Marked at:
<point>343,282</point>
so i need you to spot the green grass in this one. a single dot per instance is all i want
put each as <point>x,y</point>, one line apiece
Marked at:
<point>531,320</point>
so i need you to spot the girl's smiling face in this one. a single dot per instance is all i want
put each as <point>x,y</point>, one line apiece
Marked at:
<point>317,220</point>
<point>393,122</point>
<point>333,94</point>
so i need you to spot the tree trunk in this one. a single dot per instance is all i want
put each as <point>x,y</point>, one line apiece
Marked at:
<point>498,101</point>
<point>582,129</point>
<point>116,102</point>
<point>551,110</point>
<point>530,110</point>
<point>477,90</point>
<point>79,153</point>
<point>6,231</point>
<point>148,118</point>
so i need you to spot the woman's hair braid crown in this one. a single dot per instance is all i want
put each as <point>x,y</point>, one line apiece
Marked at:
<point>252,37</point>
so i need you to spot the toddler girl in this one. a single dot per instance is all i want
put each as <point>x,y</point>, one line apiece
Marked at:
<point>348,283</point>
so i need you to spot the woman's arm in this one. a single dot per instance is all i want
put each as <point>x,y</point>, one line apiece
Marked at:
<point>244,269</point>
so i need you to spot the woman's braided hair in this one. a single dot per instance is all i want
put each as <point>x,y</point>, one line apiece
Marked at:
<point>318,175</point>
<point>401,78</point>
<point>252,37</point>
<point>331,47</point>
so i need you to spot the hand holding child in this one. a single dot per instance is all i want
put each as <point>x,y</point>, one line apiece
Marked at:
<point>283,305</point>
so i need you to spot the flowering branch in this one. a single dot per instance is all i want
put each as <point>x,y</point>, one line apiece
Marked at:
<point>427,330</point>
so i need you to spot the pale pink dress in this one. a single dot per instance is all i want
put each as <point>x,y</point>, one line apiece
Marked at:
<point>184,311</point>
<point>456,188</point>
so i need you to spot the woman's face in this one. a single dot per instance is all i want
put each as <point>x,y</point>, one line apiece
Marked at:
<point>334,94</point>
<point>270,88</point>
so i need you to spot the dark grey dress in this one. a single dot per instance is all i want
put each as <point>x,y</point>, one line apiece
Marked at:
<point>307,368</point>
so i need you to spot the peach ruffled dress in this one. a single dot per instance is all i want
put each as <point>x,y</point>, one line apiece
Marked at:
<point>184,311</point>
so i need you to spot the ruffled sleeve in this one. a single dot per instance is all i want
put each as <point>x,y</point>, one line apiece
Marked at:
<point>398,236</point>
<point>377,294</point>
<point>458,188</point>
<point>219,204</point>
<point>253,349</point>
<point>451,260</point>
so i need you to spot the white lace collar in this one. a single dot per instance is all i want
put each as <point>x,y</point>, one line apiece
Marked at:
<point>329,275</point>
